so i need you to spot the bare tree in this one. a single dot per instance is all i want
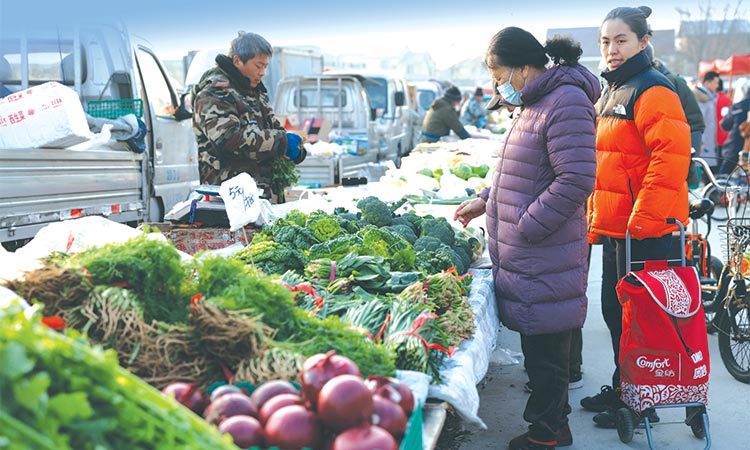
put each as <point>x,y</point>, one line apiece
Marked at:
<point>711,33</point>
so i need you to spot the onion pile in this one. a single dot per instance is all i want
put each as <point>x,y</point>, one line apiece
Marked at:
<point>334,409</point>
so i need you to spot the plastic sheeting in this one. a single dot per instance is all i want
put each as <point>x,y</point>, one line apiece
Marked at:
<point>467,367</point>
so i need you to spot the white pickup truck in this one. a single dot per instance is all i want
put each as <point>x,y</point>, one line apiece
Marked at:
<point>39,186</point>
<point>372,109</point>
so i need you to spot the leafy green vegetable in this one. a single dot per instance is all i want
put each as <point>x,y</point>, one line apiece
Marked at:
<point>63,394</point>
<point>324,227</point>
<point>150,267</point>
<point>272,257</point>
<point>285,174</point>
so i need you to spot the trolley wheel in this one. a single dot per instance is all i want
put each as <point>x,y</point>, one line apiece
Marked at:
<point>696,423</point>
<point>625,424</point>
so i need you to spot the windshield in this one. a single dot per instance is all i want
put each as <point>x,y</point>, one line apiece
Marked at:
<point>377,90</point>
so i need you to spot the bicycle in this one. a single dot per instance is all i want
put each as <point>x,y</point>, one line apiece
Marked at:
<point>698,251</point>
<point>715,192</point>
<point>731,304</point>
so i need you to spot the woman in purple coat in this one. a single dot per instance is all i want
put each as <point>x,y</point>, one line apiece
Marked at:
<point>536,214</point>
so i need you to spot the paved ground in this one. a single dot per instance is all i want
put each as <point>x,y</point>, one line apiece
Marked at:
<point>503,399</point>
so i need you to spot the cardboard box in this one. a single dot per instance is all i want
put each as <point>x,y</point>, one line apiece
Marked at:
<point>48,115</point>
<point>316,129</point>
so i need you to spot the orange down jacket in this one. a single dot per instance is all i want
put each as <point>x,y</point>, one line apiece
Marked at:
<point>642,155</point>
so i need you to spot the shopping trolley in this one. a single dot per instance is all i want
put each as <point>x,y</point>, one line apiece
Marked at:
<point>664,361</point>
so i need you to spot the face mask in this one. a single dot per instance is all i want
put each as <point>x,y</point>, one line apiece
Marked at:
<point>509,94</point>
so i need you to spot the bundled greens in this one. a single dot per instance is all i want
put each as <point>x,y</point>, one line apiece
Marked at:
<point>149,267</point>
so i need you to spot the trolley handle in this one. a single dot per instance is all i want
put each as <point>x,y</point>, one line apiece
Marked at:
<point>671,221</point>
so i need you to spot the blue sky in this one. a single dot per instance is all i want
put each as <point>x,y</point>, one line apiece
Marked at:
<point>450,30</point>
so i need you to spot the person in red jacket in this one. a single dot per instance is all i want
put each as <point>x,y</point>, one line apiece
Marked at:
<point>642,155</point>
<point>723,105</point>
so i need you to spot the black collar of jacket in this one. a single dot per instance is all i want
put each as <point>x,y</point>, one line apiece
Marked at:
<point>627,70</point>
<point>239,81</point>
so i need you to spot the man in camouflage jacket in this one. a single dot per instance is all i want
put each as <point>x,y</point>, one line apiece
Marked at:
<point>234,124</point>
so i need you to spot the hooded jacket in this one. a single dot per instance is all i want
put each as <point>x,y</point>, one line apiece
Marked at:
<point>535,208</point>
<point>440,120</point>
<point>642,155</point>
<point>235,127</point>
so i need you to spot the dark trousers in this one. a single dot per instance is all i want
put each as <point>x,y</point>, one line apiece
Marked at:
<point>576,340</point>
<point>546,359</point>
<point>576,350</point>
<point>613,268</point>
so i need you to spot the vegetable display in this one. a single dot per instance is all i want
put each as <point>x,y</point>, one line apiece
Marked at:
<point>60,393</point>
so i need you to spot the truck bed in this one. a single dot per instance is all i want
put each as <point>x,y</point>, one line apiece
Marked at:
<point>40,186</point>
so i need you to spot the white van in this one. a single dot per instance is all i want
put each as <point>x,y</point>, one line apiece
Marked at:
<point>371,107</point>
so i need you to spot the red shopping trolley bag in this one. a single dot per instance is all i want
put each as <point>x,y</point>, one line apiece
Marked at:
<point>664,347</point>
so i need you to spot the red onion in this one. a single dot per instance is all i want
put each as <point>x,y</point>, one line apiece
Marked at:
<point>365,437</point>
<point>246,431</point>
<point>186,394</point>
<point>229,405</point>
<point>269,389</point>
<point>320,368</point>
<point>389,416</point>
<point>344,402</point>
<point>275,403</point>
<point>293,427</point>
<point>403,395</point>
<point>225,389</point>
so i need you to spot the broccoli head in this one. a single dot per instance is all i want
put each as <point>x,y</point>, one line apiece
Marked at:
<point>404,231</point>
<point>410,219</point>
<point>431,262</point>
<point>428,243</point>
<point>438,228</point>
<point>375,211</point>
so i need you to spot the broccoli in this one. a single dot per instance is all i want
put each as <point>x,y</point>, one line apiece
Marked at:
<point>410,219</point>
<point>463,254</point>
<point>404,231</point>
<point>431,262</point>
<point>438,228</point>
<point>457,260</point>
<point>375,211</point>
<point>427,243</point>
<point>295,236</point>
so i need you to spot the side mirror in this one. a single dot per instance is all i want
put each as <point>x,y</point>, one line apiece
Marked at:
<point>184,109</point>
<point>400,98</point>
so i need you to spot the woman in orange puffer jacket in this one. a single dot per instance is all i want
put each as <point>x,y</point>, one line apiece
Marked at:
<point>642,155</point>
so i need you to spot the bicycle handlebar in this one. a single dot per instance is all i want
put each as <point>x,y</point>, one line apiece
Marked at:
<point>724,187</point>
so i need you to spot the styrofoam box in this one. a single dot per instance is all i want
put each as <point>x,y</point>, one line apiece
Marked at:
<point>48,115</point>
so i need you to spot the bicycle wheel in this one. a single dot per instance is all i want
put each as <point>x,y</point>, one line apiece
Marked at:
<point>734,338</point>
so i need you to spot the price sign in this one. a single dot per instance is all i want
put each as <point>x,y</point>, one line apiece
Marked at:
<point>242,201</point>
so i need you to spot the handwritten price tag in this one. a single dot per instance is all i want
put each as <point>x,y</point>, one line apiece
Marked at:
<point>241,199</point>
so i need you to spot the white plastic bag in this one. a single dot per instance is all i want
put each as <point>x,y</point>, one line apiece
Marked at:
<point>241,199</point>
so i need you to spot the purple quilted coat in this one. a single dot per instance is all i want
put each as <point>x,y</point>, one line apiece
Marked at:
<point>536,206</point>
